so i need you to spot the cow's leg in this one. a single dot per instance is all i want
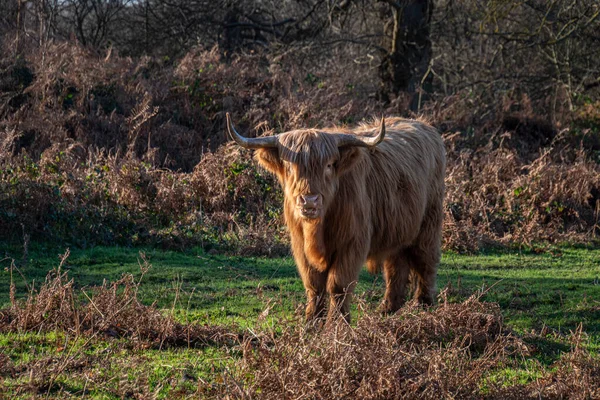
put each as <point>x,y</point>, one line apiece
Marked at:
<point>395,271</point>
<point>425,255</point>
<point>342,278</point>
<point>315,283</point>
<point>424,268</point>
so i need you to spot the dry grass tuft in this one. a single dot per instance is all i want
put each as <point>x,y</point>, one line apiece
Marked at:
<point>577,376</point>
<point>439,353</point>
<point>112,310</point>
<point>449,351</point>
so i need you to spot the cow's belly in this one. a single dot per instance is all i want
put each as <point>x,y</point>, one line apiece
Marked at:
<point>393,237</point>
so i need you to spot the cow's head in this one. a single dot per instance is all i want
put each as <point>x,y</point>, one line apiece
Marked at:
<point>308,163</point>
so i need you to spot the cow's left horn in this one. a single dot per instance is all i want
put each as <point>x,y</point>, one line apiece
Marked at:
<point>363,141</point>
<point>250,143</point>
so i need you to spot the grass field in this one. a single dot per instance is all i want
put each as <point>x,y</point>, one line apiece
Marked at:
<point>542,297</point>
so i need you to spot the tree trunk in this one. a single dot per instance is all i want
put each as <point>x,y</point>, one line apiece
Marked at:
<point>405,67</point>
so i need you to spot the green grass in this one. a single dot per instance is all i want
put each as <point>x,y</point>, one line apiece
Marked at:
<point>556,290</point>
<point>98,375</point>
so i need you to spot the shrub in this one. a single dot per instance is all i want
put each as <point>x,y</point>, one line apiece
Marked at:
<point>114,150</point>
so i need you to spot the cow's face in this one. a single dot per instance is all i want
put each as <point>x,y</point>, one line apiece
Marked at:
<point>309,165</point>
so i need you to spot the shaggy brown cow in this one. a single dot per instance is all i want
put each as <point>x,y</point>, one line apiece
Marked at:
<point>352,198</point>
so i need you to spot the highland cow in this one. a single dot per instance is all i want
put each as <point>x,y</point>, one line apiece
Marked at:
<point>372,195</point>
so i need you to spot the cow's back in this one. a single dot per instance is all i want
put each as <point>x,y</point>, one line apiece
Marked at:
<point>405,180</point>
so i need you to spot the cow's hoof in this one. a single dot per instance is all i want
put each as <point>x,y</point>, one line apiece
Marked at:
<point>387,308</point>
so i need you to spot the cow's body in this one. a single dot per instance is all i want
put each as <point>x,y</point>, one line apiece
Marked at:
<point>380,205</point>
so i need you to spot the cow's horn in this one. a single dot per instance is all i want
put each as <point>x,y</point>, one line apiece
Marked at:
<point>364,141</point>
<point>250,143</point>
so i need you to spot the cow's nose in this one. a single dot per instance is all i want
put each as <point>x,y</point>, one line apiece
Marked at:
<point>309,200</point>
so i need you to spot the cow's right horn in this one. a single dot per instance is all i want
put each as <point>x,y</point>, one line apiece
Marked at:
<point>250,143</point>
<point>346,139</point>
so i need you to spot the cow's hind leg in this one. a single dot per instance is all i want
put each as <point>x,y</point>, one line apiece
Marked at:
<point>395,271</point>
<point>424,268</point>
<point>425,256</point>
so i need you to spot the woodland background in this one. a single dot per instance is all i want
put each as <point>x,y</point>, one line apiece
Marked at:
<point>112,113</point>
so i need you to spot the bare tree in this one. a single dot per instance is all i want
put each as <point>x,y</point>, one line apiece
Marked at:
<point>546,51</point>
<point>404,66</point>
<point>93,21</point>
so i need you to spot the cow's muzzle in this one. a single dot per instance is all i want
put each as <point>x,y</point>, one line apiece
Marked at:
<point>309,205</point>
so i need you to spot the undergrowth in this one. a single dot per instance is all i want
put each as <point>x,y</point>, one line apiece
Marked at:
<point>112,150</point>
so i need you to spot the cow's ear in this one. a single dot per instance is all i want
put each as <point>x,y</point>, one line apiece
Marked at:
<point>268,158</point>
<point>349,156</point>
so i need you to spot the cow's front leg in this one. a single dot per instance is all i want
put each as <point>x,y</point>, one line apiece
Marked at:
<point>315,284</point>
<point>341,281</point>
